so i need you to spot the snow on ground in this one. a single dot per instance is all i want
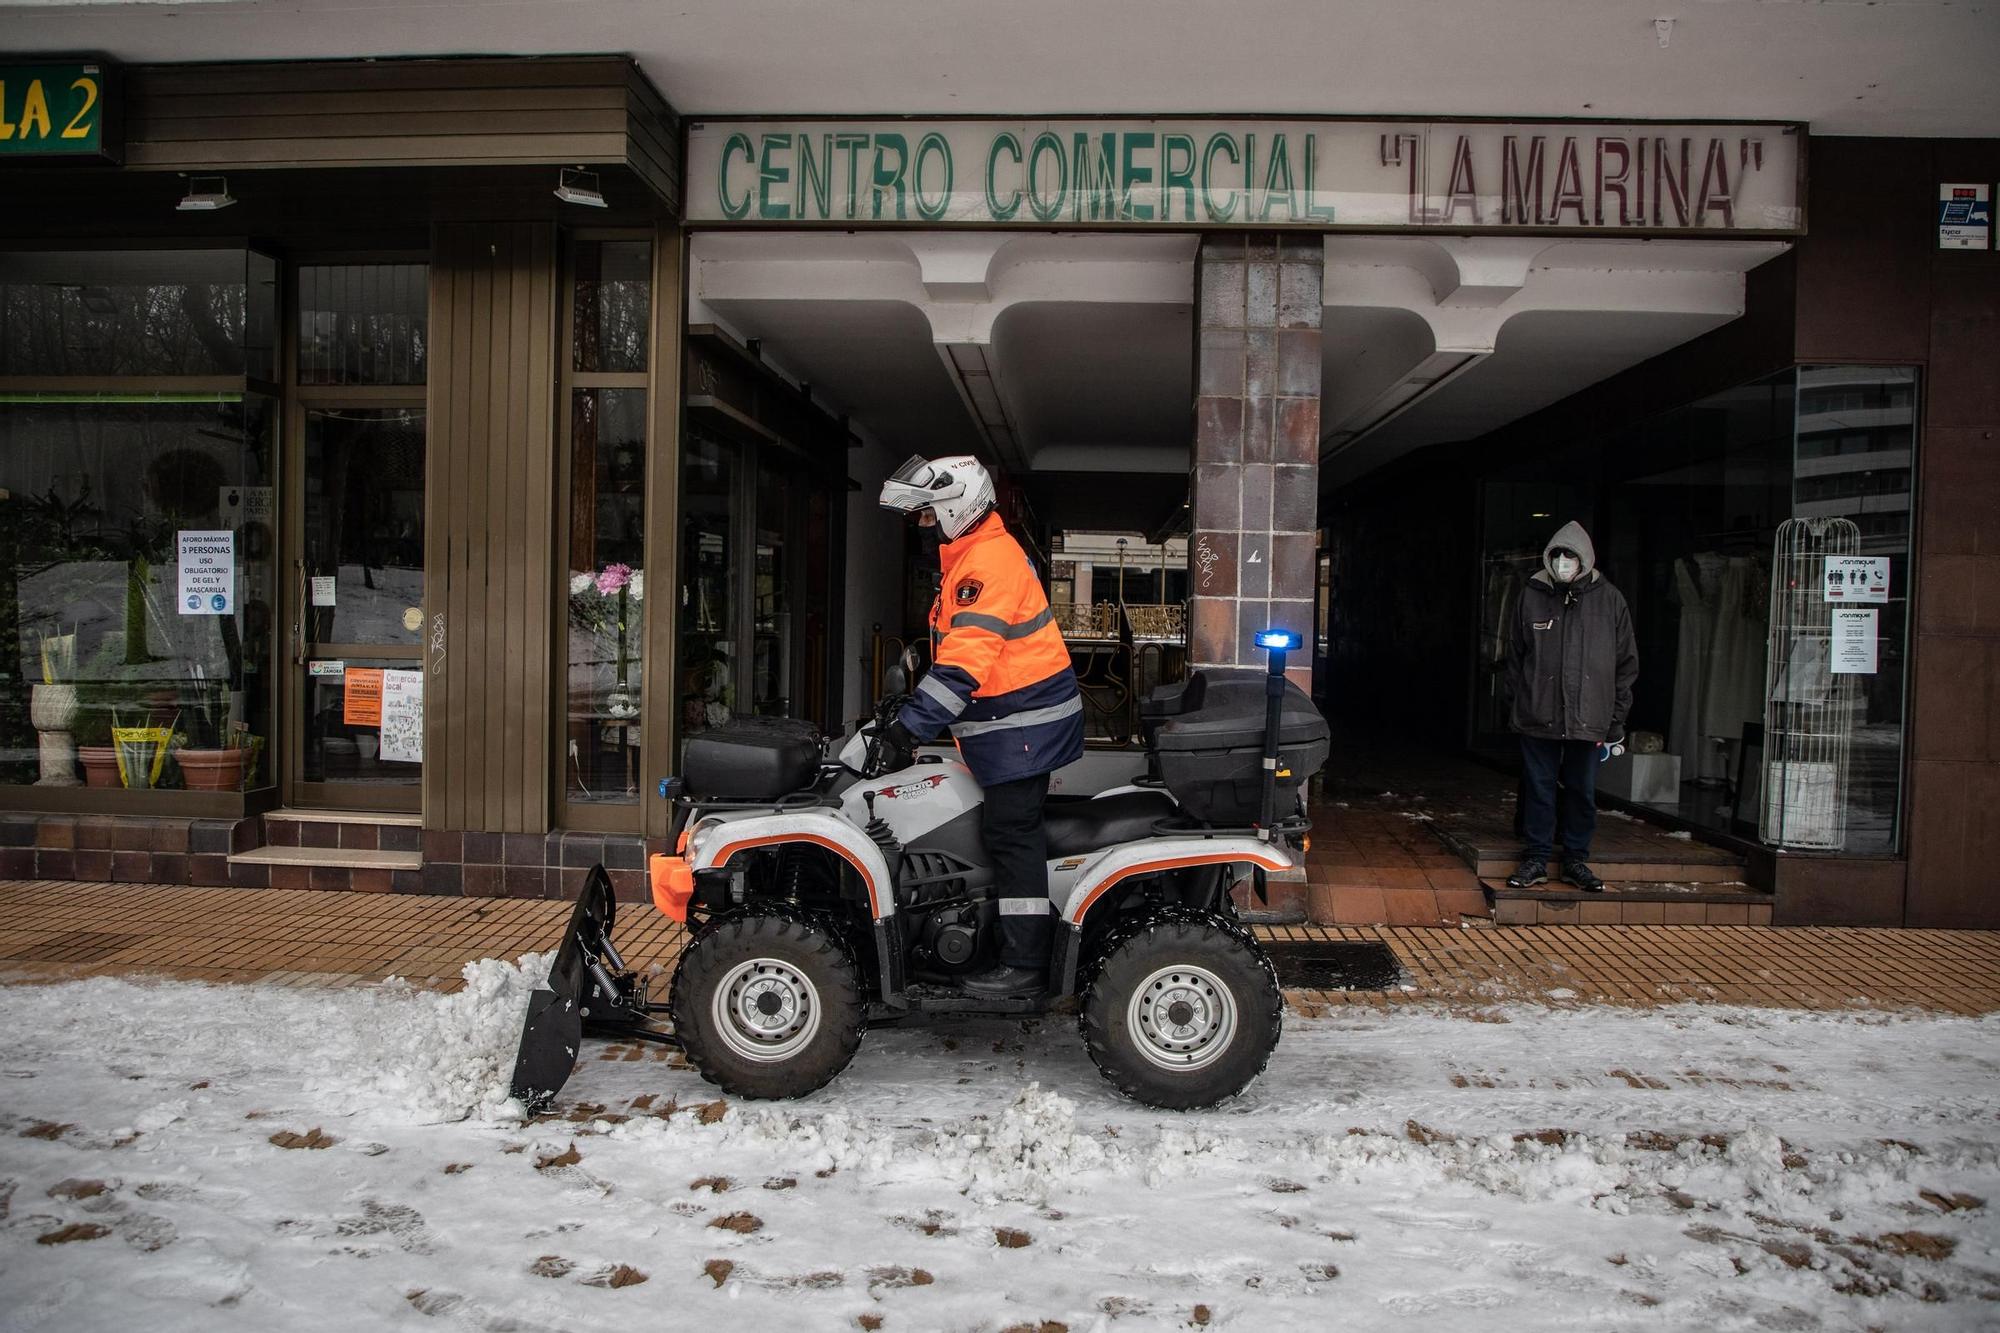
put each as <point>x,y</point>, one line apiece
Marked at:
<point>178,1156</point>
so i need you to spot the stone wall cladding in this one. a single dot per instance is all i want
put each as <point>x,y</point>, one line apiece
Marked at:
<point>1256,447</point>
<point>114,849</point>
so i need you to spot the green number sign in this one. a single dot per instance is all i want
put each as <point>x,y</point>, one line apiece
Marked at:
<point>55,110</point>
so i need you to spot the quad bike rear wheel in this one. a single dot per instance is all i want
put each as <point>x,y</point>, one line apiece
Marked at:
<point>1183,1010</point>
<point>767,1005</point>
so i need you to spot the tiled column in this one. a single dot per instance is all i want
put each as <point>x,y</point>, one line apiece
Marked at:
<point>1256,466</point>
<point>1256,444</point>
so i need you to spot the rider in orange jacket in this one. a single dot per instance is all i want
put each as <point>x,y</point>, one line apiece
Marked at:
<point>1000,681</point>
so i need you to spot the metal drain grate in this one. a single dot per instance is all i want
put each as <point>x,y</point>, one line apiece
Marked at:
<point>1345,965</point>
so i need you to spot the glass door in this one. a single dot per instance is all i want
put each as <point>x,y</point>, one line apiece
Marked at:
<point>358,607</point>
<point>709,634</point>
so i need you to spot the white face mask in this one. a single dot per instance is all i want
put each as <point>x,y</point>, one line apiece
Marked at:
<point>1566,568</point>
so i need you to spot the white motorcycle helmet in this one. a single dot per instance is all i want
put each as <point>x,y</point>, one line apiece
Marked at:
<point>957,489</point>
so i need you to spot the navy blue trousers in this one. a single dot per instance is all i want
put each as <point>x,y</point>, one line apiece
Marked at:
<point>1018,846</point>
<point>1544,765</point>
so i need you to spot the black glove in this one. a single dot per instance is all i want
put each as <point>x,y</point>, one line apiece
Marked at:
<point>899,747</point>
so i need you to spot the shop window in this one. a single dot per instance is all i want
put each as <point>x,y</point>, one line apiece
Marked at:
<point>613,305</point>
<point>603,761</point>
<point>136,550</point>
<point>1830,775</point>
<point>145,313</point>
<point>607,591</point>
<point>756,624</point>
<point>1686,511</point>
<point>363,324</point>
<point>709,561</point>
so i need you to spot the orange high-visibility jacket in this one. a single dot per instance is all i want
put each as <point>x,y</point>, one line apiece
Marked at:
<point>1001,678</point>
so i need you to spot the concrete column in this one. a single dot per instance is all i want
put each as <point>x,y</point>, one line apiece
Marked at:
<point>1256,444</point>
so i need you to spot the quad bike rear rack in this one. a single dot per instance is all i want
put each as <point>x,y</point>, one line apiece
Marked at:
<point>590,992</point>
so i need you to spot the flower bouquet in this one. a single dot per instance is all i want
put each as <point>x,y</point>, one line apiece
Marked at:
<point>610,599</point>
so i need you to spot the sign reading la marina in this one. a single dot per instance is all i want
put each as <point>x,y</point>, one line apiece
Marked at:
<point>1472,176</point>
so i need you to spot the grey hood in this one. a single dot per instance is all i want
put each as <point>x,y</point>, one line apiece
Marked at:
<point>1571,537</point>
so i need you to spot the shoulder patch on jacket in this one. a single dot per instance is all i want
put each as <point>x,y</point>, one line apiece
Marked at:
<point>967,592</point>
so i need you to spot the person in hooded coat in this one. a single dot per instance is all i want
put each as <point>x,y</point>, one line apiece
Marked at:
<point>1571,664</point>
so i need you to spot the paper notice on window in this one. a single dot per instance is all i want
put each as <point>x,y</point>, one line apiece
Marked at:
<point>208,572</point>
<point>1854,642</point>
<point>1857,578</point>
<point>322,590</point>
<point>402,717</point>
<point>363,705</point>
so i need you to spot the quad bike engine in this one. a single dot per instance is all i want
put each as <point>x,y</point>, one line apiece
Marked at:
<point>952,928</point>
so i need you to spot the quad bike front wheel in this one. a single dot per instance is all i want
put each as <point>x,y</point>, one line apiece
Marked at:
<point>767,1005</point>
<point>1183,1011</point>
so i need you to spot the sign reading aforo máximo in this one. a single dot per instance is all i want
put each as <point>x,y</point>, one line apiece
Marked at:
<point>1471,176</point>
<point>56,111</point>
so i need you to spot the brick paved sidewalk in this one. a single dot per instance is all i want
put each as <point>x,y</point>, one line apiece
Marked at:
<point>52,930</point>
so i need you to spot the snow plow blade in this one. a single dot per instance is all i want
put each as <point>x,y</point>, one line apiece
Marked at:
<point>590,992</point>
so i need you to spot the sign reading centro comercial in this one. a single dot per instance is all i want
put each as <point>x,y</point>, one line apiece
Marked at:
<point>1469,176</point>
<point>57,111</point>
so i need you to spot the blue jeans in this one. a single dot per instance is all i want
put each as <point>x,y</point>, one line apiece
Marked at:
<point>1544,763</point>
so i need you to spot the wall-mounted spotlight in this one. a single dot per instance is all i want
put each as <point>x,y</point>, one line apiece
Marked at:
<point>205,194</point>
<point>577,186</point>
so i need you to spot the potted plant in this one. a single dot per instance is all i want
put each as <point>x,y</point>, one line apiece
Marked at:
<point>211,751</point>
<point>100,692</point>
<point>52,707</point>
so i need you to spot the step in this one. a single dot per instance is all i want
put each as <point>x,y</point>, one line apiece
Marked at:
<point>1647,904</point>
<point>1664,872</point>
<point>343,858</point>
<point>1639,891</point>
<point>395,819</point>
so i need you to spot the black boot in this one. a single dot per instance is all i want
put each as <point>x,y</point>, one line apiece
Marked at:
<point>1534,870</point>
<point>1581,875</point>
<point>1002,981</point>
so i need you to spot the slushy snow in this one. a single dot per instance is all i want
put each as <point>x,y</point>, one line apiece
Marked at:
<point>180,1156</point>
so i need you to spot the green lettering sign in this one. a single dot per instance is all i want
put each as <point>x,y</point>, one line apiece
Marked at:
<point>58,111</point>
<point>1138,173</point>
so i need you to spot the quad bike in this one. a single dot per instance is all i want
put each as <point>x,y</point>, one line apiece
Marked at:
<point>825,893</point>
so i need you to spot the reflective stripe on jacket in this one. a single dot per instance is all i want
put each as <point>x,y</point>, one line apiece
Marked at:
<point>1001,679</point>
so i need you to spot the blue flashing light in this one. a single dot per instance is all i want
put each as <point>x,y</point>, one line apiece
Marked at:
<point>1277,638</point>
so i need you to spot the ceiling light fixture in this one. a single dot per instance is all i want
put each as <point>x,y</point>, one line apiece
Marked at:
<point>205,194</point>
<point>577,186</point>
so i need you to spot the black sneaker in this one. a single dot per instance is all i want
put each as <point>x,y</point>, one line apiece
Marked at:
<point>1533,871</point>
<point>1581,875</point>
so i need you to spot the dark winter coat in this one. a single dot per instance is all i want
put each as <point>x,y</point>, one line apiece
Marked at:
<point>1571,660</point>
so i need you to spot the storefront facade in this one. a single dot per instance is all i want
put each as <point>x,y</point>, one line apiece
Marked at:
<point>477,525</point>
<point>1842,401</point>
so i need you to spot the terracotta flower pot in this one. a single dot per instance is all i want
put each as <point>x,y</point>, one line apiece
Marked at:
<point>100,765</point>
<point>211,770</point>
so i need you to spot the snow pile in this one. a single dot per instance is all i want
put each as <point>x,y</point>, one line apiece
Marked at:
<point>428,1058</point>
<point>1032,1147</point>
<point>1035,1146</point>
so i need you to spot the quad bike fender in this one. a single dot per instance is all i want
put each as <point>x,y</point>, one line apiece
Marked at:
<point>1113,865</point>
<point>1110,867</point>
<point>715,840</point>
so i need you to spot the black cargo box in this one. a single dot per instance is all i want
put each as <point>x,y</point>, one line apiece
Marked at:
<point>752,758</point>
<point>1208,739</point>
